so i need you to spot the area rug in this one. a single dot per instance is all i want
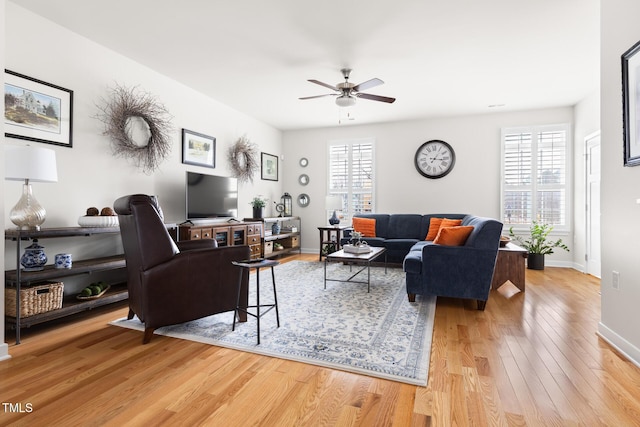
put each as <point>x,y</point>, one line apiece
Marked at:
<point>380,333</point>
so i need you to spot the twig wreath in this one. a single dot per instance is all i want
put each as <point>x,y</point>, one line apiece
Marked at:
<point>118,113</point>
<point>243,156</point>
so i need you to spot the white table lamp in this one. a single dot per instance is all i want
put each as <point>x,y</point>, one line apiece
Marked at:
<point>29,164</point>
<point>333,203</point>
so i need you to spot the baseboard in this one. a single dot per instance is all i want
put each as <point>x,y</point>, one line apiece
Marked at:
<point>4,352</point>
<point>624,347</point>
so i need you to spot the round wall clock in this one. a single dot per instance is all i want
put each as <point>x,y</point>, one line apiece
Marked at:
<point>434,159</point>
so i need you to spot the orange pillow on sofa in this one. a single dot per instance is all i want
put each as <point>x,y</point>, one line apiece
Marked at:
<point>436,223</point>
<point>366,226</point>
<point>453,236</point>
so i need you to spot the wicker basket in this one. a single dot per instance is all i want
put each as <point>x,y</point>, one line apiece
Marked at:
<point>34,299</point>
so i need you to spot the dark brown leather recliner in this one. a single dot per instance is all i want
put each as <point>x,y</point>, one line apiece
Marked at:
<point>173,283</point>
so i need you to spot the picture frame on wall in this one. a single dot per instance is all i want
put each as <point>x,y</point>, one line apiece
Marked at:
<point>269,167</point>
<point>631,105</point>
<point>198,149</point>
<point>37,111</point>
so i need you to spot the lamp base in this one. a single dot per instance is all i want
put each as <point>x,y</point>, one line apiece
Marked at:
<point>334,220</point>
<point>27,214</point>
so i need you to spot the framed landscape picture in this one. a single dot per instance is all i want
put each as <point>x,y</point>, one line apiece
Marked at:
<point>269,167</point>
<point>631,105</point>
<point>198,149</point>
<point>37,111</point>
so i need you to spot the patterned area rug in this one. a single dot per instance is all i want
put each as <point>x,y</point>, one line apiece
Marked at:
<point>380,333</point>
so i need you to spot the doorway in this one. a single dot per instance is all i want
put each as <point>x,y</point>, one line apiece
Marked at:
<point>592,200</point>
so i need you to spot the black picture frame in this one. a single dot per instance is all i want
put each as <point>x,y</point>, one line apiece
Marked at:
<point>198,149</point>
<point>631,105</point>
<point>269,167</point>
<point>37,111</point>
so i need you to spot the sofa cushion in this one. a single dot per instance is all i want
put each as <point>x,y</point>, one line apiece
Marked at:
<point>376,242</point>
<point>404,226</point>
<point>366,226</point>
<point>402,245</point>
<point>382,223</point>
<point>453,236</point>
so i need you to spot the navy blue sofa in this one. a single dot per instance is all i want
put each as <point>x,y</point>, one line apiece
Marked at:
<point>451,271</point>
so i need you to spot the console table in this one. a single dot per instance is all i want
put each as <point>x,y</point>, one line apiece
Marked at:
<point>17,278</point>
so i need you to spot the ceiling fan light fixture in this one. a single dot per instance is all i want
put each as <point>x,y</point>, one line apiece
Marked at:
<point>345,101</point>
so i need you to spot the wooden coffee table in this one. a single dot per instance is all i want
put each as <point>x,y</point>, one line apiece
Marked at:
<point>363,260</point>
<point>510,266</point>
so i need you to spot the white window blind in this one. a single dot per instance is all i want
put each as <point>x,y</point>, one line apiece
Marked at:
<point>534,176</point>
<point>351,175</point>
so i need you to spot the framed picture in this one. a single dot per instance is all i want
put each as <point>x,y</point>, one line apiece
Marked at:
<point>37,111</point>
<point>631,105</point>
<point>198,149</point>
<point>269,167</point>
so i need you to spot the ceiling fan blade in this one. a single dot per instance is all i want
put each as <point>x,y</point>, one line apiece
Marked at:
<point>319,96</point>
<point>375,97</point>
<point>324,84</point>
<point>368,84</point>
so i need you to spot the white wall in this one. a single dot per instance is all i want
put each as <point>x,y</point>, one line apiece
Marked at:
<point>586,123</point>
<point>472,187</point>
<point>88,174</point>
<point>620,186</point>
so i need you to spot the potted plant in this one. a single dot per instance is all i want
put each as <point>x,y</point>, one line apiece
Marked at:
<point>258,203</point>
<point>538,244</point>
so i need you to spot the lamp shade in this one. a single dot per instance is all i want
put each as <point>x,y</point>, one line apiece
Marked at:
<point>33,163</point>
<point>333,203</point>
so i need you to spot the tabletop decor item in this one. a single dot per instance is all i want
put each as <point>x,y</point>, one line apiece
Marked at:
<point>129,110</point>
<point>242,157</point>
<point>62,261</point>
<point>356,245</point>
<point>34,258</point>
<point>258,204</point>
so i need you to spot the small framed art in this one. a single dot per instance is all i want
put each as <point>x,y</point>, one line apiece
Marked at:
<point>37,111</point>
<point>631,105</point>
<point>198,149</point>
<point>269,167</point>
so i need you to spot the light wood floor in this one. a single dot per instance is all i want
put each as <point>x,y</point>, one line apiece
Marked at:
<point>530,358</point>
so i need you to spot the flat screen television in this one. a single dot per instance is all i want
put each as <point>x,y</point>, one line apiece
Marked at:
<point>210,196</point>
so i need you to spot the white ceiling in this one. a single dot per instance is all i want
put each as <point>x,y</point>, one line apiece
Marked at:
<point>437,57</point>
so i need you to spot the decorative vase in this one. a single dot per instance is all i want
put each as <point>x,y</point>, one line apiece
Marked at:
<point>275,228</point>
<point>535,261</point>
<point>63,261</point>
<point>258,212</point>
<point>34,258</point>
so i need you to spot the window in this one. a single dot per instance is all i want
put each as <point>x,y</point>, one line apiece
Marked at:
<point>351,175</point>
<point>535,175</point>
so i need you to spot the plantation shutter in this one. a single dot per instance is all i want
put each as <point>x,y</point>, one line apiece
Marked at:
<point>534,176</point>
<point>351,167</point>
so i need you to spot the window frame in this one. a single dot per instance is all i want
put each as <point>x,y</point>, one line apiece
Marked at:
<point>348,211</point>
<point>536,131</point>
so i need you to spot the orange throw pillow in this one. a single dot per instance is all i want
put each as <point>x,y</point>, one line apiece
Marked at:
<point>366,226</point>
<point>434,227</point>
<point>435,224</point>
<point>453,236</point>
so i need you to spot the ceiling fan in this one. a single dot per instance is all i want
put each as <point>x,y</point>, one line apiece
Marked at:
<point>348,92</point>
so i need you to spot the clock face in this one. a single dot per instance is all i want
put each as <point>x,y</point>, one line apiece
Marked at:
<point>435,159</point>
